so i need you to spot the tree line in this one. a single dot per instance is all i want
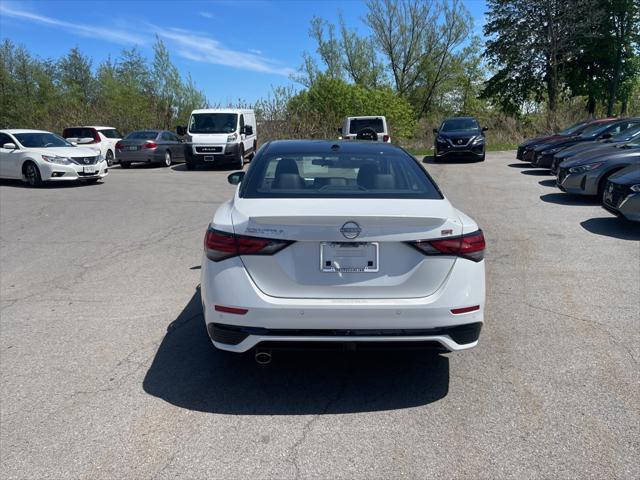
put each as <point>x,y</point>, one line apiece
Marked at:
<point>127,92</point>
<point>544,63</point>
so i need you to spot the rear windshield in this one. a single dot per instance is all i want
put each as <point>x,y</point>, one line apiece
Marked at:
<point>358,124</point>
<point>625,135</point>
<point>78,133</point>
<point>394,175</point>
<point>41,140</point>
<point>142,136</point>
<point>213,123</point>
<point>459,124</point>
<point>110,133</point>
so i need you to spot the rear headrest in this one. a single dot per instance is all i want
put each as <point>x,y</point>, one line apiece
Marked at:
<point>288,181</point>
<point>385,181</point>
<point>366,175</point>
<point>287,165</point>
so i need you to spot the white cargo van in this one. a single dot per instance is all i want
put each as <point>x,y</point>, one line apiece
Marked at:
<point>219,137</point>
<point>366,126</point>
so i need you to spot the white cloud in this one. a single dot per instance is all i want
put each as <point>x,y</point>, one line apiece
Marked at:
<point>111,35</point>
<point>256,51</point>
<point>206,14</point>
<point>196,46</point>
<point>202,48</point>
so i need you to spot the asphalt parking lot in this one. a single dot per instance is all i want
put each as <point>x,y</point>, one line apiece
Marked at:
<point>106,371</point>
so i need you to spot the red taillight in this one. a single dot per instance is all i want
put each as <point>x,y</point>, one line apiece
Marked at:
<point>458,311</point>
<point>469,246</point>
<point>150,145</point>
<point>236,311</point>
<point>118,146</point>
<point>385,138</point>
<point>220,245</point>
<point>96,137</point>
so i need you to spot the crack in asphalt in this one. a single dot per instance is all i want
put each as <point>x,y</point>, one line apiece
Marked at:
<point>294,451</point>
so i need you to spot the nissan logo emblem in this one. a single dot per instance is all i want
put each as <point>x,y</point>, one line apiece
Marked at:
<point>459,141</point>
<point>87,160</point>
<point>350,230</point>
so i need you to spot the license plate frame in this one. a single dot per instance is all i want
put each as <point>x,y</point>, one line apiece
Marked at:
<point>356,257</point>
<point>89,169</point>
<point>209,158</point>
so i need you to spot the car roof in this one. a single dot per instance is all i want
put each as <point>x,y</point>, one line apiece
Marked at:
<point>23,130</point>
<point>93,126</point>
<point>366,116</point>
<point>459,118</point>
<point>223,110</point>
<point>317,146</point>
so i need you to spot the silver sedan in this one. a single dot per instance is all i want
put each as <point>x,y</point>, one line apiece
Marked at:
<point>150,146</point>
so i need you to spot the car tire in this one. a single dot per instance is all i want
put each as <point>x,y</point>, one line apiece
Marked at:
<point>167,159</point>
<point>32,174</point>
<point>125,164</point>
<point>109,158</point>
<point>602,183</point>
<point>239,160</point>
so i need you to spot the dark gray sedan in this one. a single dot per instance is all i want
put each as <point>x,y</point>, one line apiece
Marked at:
<point>150,146</point>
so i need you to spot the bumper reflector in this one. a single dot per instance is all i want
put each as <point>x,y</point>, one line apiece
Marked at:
<point>457,311</point>
<point>236,311</point>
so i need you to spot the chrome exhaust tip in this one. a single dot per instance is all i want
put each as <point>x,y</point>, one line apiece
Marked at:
<point>263,357</point>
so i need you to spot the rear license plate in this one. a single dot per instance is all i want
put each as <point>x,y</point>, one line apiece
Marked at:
<point>131,147</point>
<point>89,169</point>
<point>349,257</point>
<point>209,158</point>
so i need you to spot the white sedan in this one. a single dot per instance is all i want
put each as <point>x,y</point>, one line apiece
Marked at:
<point>36,156</point>
<point>340,243</point>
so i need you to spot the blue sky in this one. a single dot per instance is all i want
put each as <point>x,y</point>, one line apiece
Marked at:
<point>232,49</point>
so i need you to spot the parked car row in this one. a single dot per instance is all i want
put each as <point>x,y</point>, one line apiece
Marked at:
<point>597,158</point>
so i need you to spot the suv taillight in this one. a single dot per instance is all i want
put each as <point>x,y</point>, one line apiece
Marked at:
<point>385,138</point>
<point>470,246</point>
<point>96,137</point>
<point>220,245</point>
<point>118,146</point>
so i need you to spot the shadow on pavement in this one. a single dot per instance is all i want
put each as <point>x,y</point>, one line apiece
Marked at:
<point>189,372</point>
<point>51,185</point>
<point>547,183</point>
<point>431,160</point>
<point>215,168</point>
<point>520,165</point>
<point>536,173</point>
<point>562,198</point>
<point>613,227</point>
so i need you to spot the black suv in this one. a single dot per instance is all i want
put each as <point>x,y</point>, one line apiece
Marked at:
<point>459,137</point>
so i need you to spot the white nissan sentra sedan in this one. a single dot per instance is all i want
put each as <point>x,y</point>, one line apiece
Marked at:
<point>345,243</point>
<point>37,156</point>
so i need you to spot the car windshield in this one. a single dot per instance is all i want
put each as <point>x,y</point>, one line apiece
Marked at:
<point>634,143</point>
<point>459,124</point>
<point>358,124</point>
<point>41,140</point>
<point>572,129</point>
<point>627,134</point>
<point>213,123</point>
<point>594,130</point>
<point>110,133</point>
<point>373,175</point>
<point>142,136</point>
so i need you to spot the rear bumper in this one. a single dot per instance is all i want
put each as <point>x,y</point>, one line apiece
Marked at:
<point>299,320</point>
<point>141,156</point>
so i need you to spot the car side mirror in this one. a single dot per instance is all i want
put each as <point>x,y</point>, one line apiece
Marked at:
<point>484,129</point>
<point>435,130</point>
<point>235,178</point>
<point>247,130</point>
<point>9,146</point>
<point>180,130</point>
